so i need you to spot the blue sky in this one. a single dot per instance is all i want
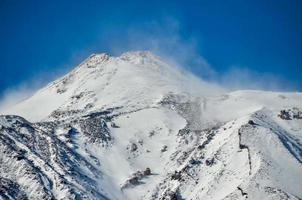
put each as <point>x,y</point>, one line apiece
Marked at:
<point>254,44</point>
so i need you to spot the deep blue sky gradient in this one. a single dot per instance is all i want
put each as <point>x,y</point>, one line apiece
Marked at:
<point>45,38</point>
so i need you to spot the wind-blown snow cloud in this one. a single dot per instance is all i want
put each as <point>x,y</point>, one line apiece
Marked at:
<point>238,78</point>
<point>13,96</point>
<point>165,39</point>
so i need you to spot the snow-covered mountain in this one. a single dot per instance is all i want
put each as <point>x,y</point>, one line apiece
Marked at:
<point>134,127</point>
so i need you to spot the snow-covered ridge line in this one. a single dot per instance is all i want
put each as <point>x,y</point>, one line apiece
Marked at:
<point>136,79</point>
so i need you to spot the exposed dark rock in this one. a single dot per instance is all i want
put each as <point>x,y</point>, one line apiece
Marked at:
<point>251,122</point>
<point>152,133</point>
<point>244,194</point>
<point>57,114</point>
<point>133,147</point>
<point>134,180</point>
<point>61,90</point>
<point>243,146</point>
<point>89,105</point>
<point>210,134</point>
<point>194,162</point>
<point>136,177</point>
<point>176,175</point>
<point>297,114</point>
<point>10,189</point>
<point>171,195</point>
<point>19,157</point>
<point>147,171</point>
<point>164,149</point>
<point>210,161</point>
<point>113,125</point>
<point>284,115</point>
<point>281,194</point>
<point>95,128</point>
<point>41,142</point>
<point>183,131</point>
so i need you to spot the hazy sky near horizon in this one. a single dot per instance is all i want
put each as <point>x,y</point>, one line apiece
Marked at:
<point>252,44</point>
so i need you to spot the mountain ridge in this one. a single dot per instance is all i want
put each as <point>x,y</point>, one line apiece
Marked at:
<point>141,71</point>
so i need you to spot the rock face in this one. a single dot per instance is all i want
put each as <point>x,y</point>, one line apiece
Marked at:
<point>133,127</point>
<point>288,114</point>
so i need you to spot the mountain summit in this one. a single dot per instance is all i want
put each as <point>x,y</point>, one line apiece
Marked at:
<point>135,79</point>
<point>136,127</point>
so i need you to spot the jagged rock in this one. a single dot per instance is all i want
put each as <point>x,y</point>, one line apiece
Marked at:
<point>297,114</point>
<point>284,115</point>
<point>172,195</point>
<point>251,122</point>
<point>134,180</point>
<point>165,148</point>
<point>133,147</point>
<point>194,161</point>
<point>210,161</point>
<point>61,90</point>
<point>57,114</point>
<point>113,125</point>
<point>136,177</point>
<point>176,175</point>
<point>138,174</point>
<point>95,128</point>
<point>19,157</point>
<point>39,152</point>
<point>147,171</point>
<point>152,133</point>
<point>89,106</point>
<point>244,194</point>
<point>11,190</point>
<point>183,131</point>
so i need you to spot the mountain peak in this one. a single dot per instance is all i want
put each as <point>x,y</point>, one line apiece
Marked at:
<point>142,54</point>
<point>134,57</point>
<point>140,57</point>
<point>135,79</point>
<point>102,56</point>
<point>95,59</point>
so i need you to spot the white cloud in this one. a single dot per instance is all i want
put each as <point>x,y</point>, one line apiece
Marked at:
<point>165,39</point>
<point>237,78</point>
<point>15,95</point>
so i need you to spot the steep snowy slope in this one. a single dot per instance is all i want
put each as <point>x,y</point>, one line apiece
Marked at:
<point>135,80</point>
<point>133,127</point>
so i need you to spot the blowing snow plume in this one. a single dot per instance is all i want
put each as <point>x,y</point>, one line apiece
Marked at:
<point>165,39</point>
